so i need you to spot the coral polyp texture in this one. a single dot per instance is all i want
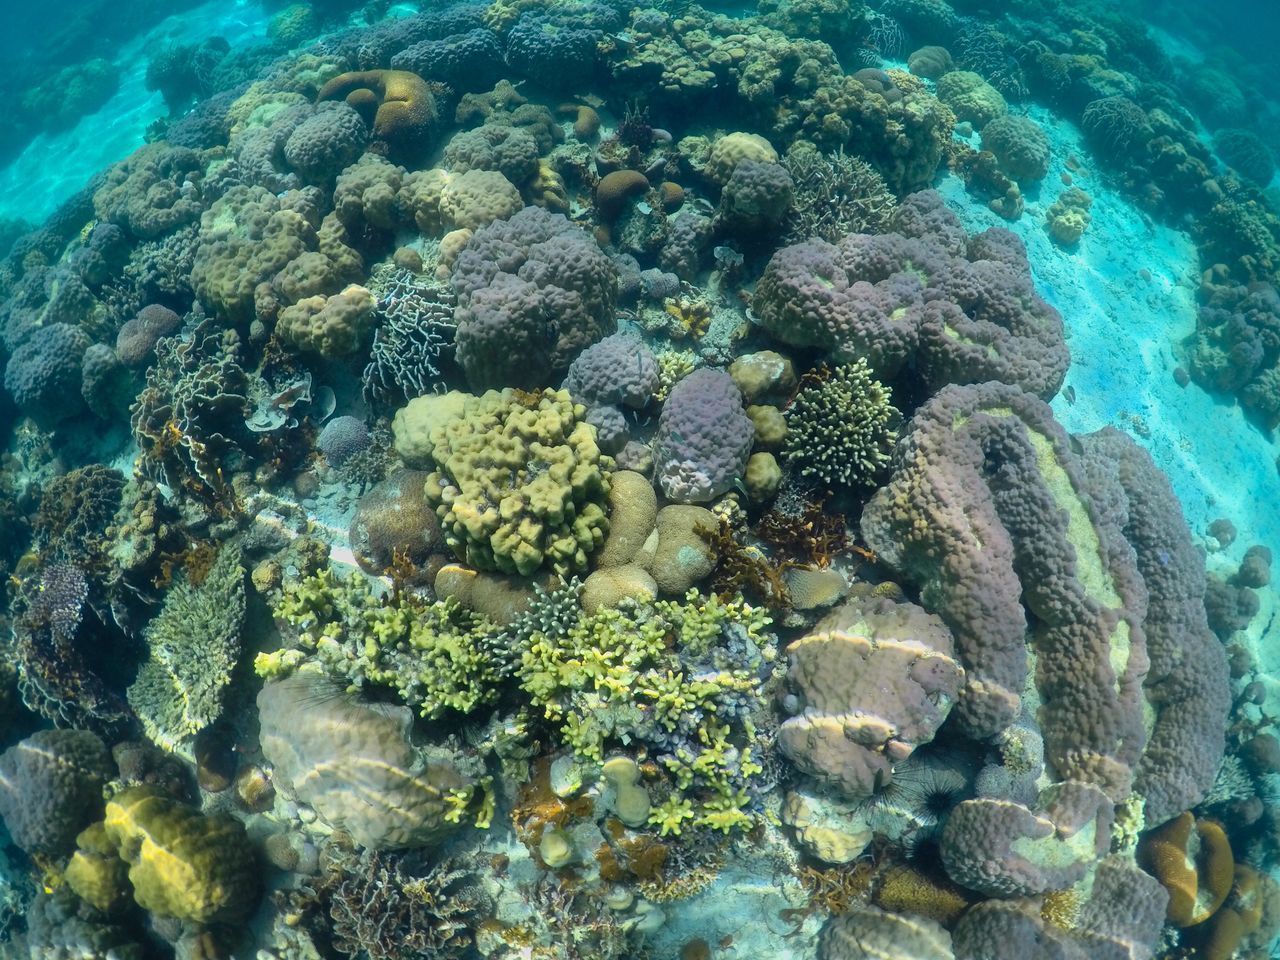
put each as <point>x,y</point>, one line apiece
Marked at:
<point>564,479</point>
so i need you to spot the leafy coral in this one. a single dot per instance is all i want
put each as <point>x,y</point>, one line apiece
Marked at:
<point>194,643</point>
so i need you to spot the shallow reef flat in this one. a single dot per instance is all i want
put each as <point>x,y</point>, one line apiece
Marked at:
<point>580,480</point>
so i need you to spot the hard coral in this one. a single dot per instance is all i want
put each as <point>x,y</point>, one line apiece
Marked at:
<point>871,682</point>
<point>51,788</point>
<point>352,762</point>
<point>704,438</point>
<point>520,483</point>
<point>1192,859</point>
<point>194,644</point>
<point>841,427</point>
<point>435,656</point>
<point>1043,541</point>
<point>533,291</point>
<point>964,307</point>
<point>399,105</point>
<point>183,864</point>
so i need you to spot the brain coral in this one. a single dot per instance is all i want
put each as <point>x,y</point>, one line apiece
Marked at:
<point>619,369</point>
<point>183,864</point>
<point>352,762</point>
<point>51,788</point>
<point>993,511</point>
<point>399,105</point>
<point>704,438</point>
<point>330,139</point>
<point>520,483</point>
<point>965,308</point>
<point>533,290</point>
<point>1020,145</point>
<point>43,375</point>
<point>870,683</point>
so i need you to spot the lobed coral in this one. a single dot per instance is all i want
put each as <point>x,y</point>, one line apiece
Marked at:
<point>963,307</point>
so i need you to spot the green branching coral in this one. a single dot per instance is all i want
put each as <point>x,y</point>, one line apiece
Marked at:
<point>194,643</point>
<point>684,678</point>
<point>520,483</point>
<point>841,427</point>
<point>436,656</point>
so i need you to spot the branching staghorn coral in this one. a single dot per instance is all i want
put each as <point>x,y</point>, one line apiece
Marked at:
<point>686,678</point>
<point>437,656</point>
<point>412,340</point>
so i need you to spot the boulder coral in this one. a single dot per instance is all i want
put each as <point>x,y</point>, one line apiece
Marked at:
<point>533,291</point>
<point>352,762</point>
<point>183,864</point>
<point>870,683</point>
<point>963,308</point>
<point>704,438</point>
<point>1021,537</point>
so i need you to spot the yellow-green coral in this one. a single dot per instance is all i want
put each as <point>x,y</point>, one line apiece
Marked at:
<point>519,483</point>
<point>436,656</point>
<point>181,863</point>
<point>194,643</point>
<point>684,677</point>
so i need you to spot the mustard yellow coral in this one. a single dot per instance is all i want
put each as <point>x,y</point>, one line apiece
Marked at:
<point>519,483</point>
<point>182,864</point>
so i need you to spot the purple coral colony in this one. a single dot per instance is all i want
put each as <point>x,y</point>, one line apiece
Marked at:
<point>552,479</point>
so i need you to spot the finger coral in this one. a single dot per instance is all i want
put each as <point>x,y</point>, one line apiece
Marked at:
<point>520,483</point>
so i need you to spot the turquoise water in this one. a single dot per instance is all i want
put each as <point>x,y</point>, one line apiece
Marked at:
<point>572,479</point>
